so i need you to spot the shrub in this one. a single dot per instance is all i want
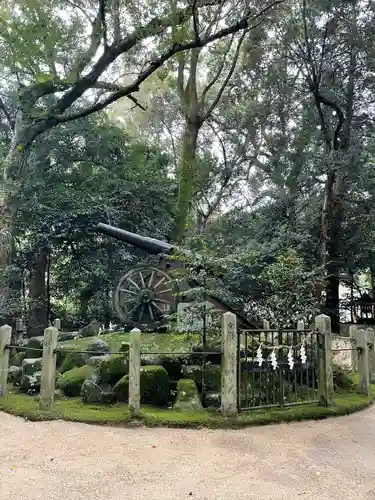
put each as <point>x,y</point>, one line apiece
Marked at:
<point>70,382</point>
<point>154,386</point>
<point>73,360</point>
<point>173,366</point>
<point>112,368</point>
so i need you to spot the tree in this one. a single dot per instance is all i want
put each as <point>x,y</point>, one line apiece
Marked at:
<point>58,79</point>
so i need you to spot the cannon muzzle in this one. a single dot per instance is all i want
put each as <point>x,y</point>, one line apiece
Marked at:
<point>149,245</point>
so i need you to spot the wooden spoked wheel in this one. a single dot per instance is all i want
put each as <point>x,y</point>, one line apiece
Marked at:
<point>144,296</point>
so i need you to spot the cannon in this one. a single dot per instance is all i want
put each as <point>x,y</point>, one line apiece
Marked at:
<point>146,294</point>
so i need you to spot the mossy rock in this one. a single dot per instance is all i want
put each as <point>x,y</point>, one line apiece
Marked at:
<point>31,365</point>
<point>70,382</point>
<point>173,366</point>
<point>112,368</point>
<point>341,379</point>
<point>34,347</point>
<point>14,374</point>
<point>31,383</point>
<point>91,392</point>
<point>17,358</point>
<point>187,398</point>
<point>154,386</point>
<point>150,359</point>
<point>125,347</point>
<point>208,377</point>
<point>73,360</point>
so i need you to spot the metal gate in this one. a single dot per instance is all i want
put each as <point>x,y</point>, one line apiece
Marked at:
<point>277,368</point>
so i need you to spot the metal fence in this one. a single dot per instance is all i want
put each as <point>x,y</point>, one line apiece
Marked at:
<point>277,368</point>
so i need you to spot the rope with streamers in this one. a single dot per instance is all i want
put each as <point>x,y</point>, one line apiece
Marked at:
<point>273,358</point>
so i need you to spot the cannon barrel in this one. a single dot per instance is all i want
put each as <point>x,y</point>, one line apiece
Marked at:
<point>149,245</point>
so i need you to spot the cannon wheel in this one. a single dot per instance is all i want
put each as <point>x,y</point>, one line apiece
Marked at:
<point>144,296</point>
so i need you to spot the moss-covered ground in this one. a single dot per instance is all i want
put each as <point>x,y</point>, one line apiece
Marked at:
<point>151,342</point>
<point>73,409</point>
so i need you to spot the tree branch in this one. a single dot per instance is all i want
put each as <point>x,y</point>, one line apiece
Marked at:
<point>228,77</point>
<point>103,22</point>
<point>116,20</point>
<point>217,74</point>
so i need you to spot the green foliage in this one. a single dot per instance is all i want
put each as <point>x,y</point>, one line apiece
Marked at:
<point>70,382</point>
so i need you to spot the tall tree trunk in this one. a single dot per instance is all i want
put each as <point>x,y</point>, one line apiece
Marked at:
<point>188,174</point>
<point>37,319</point>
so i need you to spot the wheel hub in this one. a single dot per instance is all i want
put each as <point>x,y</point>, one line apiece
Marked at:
<point>146,296</point>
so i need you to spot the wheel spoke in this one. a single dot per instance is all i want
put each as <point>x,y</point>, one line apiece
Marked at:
<point>130,301</point>
<point>164,291</point>
<point>141,313</point>
<point>132,310</point>
<point>161,300</point>
<point>160,282</point>
<point>142,280</point>
<point>134,283</point>
<point>151,313</point>
<point>125,290</point>
<point>151,279</point>
<point>157,307</point>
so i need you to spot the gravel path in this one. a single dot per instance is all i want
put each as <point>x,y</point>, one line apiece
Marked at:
<point>332,459</point>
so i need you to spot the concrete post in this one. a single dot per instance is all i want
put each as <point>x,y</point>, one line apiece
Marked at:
<point>229,387</point>
<point>352,335</point>
<point>135,373</point>
<point>47,381</point>
<point>267,335</point>
<point>371,342</point>
<point>5,338</point>
<point>325,373</point>
<point>363,361</point>
<point>18,333</point>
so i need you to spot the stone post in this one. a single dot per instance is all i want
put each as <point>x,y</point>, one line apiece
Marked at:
<point>266,326</point>
<point>363,361</point>
<point>325,373</point>
<point>371,342</point>
<point>18,334</point>
<point>229,387</point>
<point>352,335</point>
<point>135,373</point>
<point>5,338</point>
<point>47,381</point>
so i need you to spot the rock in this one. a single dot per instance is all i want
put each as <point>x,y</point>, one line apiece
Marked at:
<point>70,382</point>
<point>150,359</point>
<point>212,399</point>
<point>91,392</point>
<point>90,330</point>
<point>31,365</point>
<point>34,347</point>
<point>209,377</point>
<point>18,357</point>
<point>31,383</point>
<point>73,360</point>
<point>108,396</point>
<point>67,336</point>
<point>173,366</point>
<point>113,368</point>
<point>98,346</point>
<point>154,386</point>
<point>96,361</point>
<point>187,398</point>
<point>14,374</point>
<point>125,347</point>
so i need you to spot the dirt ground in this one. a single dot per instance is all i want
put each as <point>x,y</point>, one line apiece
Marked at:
<point>332,459</point>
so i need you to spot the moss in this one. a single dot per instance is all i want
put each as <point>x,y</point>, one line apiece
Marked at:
<point>342,379</point>
<point>17,358</point>
<point>70,382</point>
<point>154,386</point>
<point>73,360</point>
<point>118,414</point>
<point>187,396</point>
<point>112,368</point>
